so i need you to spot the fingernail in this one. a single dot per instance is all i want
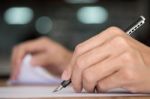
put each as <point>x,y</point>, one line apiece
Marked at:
<point>65,75</point>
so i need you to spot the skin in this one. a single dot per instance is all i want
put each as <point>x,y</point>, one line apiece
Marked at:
<point>111,59</point>
<point>46,53</point>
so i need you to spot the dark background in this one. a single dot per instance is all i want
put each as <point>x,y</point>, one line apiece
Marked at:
<point>65,26</point>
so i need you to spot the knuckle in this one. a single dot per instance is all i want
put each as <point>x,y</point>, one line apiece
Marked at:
<point>20,46</point>
<point>115,30</point>
<point>128,58</point>
<point>78,49</point>
<point>119,42</point>
<point>43,40</point>
<point>129,75</point>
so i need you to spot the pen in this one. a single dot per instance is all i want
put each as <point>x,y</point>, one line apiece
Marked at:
<point>132,28</point>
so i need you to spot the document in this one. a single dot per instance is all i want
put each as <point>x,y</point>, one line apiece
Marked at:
<point>33,74</point>
<point>46,91</point>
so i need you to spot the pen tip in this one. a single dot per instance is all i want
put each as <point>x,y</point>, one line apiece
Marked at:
<point>58,88</point>
<point>55,90</point>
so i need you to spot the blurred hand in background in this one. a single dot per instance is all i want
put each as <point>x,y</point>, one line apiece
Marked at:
<point>45,53</point>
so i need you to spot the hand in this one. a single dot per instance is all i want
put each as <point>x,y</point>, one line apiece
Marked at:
<point>45,52</point>
<point>110,60</point>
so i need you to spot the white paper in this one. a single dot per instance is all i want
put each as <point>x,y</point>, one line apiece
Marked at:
<point>46,91</point>
<point>33,74</point>
<point>37,75</point>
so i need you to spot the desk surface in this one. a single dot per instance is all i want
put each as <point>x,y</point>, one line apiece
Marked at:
<point>3,83</point>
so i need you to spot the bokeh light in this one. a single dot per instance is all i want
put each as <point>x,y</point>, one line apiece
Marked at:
<point>18,15</point>
<point>44,25</point>
<point>92,15</point>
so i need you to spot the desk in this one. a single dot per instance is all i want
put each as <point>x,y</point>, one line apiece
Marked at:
<point>3,83</point>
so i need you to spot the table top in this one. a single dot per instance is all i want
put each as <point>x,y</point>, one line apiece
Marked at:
<point>3,83</point>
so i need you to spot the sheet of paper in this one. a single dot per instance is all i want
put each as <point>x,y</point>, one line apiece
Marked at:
<point>46,91</point>
<point>33,74</point>
<point>37,75</point>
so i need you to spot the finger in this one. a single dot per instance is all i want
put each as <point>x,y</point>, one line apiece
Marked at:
<point>85,61</point>
<point>17,56</point>
<point>90,44</point>
<point>106,68</point>
<point>19,52</point>
<point>126,77</point>
<point>112,48</point>
<point>101,70</point>
<point>113,81</point>
<point>14,68</point>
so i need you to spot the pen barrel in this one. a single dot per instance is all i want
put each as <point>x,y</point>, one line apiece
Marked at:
<point>65,83</point>
<point>133,27</point>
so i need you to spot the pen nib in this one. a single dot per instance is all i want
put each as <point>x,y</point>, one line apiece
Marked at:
<point>58,88</point>
<point>63,84</point>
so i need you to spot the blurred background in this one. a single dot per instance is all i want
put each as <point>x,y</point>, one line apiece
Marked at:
<point>68,22</point>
